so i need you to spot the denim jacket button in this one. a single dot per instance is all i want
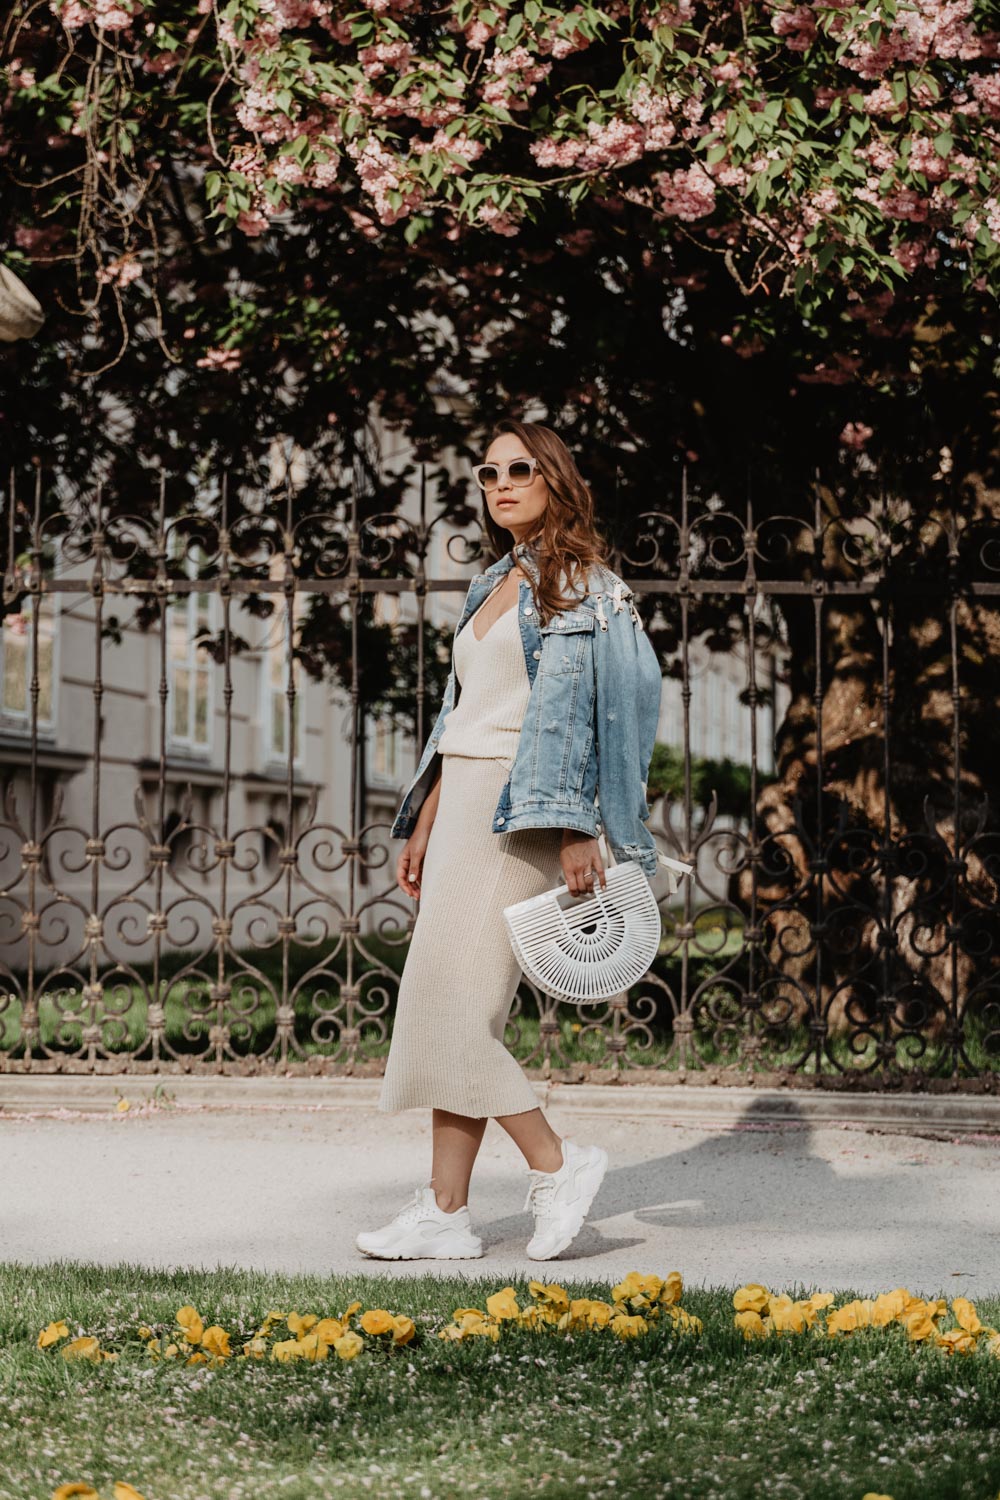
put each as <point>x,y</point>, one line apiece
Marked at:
<point>536,654</point>
<point>528,609</point>
<point>501,820</point>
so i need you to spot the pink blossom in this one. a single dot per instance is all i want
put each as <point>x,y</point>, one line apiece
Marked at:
<point>986,87</point>
<point>374,60</point>
<point>906,204</point>
<point>924,158</point>
<point>688,193</point>
<point>111,15</point>
<point>882,101</point>
<point>477,35</point>
<point>19,77</point>
<point>551,153</point>
<point>382,173</point>
<point>797,25</point>
<point>253,222</point>
<point>500,223</point>
<point>839,373</point>
<point>856,434</point>
<point>120,272</point>
<point>161,63</point>
<point>460,145</point>
<point>220,359</point>
<point>72,13</point>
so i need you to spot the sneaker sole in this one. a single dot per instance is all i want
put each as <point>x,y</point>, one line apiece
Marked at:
<point>422,1254</point>
<point>584,1209</point>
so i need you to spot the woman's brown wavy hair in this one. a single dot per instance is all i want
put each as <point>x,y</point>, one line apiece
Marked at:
<point>567,539</point>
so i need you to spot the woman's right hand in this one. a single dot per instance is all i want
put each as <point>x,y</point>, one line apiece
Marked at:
<point>411,861</point>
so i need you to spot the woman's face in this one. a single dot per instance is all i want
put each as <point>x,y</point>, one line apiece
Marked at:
<point>516,507</point>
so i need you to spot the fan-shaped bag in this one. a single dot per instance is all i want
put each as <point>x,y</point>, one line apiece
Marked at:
<point>595,946</point>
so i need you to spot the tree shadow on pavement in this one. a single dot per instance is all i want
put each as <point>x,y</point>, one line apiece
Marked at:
<point>756,1182</point>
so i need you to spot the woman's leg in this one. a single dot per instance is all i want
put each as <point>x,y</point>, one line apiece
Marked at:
<point>535,1139</point>
<point>457,1139</point>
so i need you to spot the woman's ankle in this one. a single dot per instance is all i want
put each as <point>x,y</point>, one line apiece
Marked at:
<point>549,1160</point>
<point>449,1202</point>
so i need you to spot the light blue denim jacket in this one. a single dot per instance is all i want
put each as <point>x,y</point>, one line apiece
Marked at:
<point>587,736</point>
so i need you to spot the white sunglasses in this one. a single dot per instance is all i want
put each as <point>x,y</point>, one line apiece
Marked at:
<point>519,471</point>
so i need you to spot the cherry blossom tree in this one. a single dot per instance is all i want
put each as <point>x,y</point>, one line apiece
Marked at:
<point>756,241</point>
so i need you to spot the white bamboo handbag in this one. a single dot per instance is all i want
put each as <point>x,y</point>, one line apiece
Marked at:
<point>590,947</point>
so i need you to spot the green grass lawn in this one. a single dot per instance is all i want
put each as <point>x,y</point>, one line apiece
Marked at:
<point>541,1414</point>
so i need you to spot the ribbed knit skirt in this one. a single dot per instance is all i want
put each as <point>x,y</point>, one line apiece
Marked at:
<point>461,975</point>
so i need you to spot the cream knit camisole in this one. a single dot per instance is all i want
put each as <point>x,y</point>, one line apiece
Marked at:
<point>486,721</point>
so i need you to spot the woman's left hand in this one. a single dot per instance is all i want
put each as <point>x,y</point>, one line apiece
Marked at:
<point>580,856</point>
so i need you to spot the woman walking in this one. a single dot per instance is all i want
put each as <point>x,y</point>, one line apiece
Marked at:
<point>543,741</point>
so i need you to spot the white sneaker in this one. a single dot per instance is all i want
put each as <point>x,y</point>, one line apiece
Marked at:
<point>560,1200</point>
<point>422,1231</point>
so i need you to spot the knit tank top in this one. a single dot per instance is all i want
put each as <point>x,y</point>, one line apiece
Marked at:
<point>486,722</point>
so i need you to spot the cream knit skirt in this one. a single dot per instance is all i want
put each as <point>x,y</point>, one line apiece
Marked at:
<point>460,975</point>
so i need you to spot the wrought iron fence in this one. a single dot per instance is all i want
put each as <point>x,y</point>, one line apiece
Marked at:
<point>842,929</point>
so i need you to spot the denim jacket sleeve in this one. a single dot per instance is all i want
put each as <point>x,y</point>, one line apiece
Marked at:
<point>627,711</point>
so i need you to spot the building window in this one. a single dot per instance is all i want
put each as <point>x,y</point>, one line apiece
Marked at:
<point>190,678</point>
<point>275,713</point>
<point>18,666</point>
<point>385,751</point>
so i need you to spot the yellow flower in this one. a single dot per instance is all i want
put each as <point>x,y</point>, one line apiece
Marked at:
<point>819,1300</point>
<point>146,1333</point>
<point>123,1491</point>
<point>216,1341</point>
<point>850,1317</point>
<point>171,1351</point>
<point>673,1289</point>
<point>684,1320</point>
<point>349,1312</point>
<point>871,1495</point>
<point>751,1298</point>
<point>76,1491</point>
<point>918,1324</point>
<point>197,1359</point>
<point>625,1327</point>
<point>956,1341</point>
<point>993,1344</point>
<point>256,1348</point>
<point>503,1304</point>
<point>123,1104</point>
<point>890,1306</point>
<point>467,1312</point>
<point>403,1329</point>
<point>751,1324</point>
<point>189,1321</point>
<point>312,1347</point>
<point>350,1345</point>
<point>329,1330</point>
<point>377,1321</point>
<point>301,1324</point>
<point>549,1295</point>
<point>637,1288</point>
<point>85,1348</point>
<point>599,1314</point>
<point>52,1334</point>
<point>270,1322</point>
<point>966,1315</point>
<point>789,1317</point>
<point>285,1349</point>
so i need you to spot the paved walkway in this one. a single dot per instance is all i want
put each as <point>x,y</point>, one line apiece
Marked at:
<point>287,1186</point>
